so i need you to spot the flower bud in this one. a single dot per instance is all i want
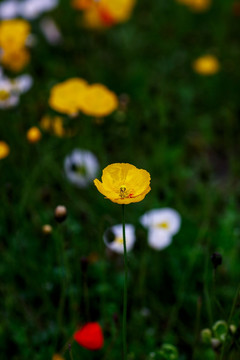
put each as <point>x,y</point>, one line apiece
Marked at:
<point>46,229</point>
<point>34,135</point>
<point>233,328</point>
<point>216,259</point>
<point>206,336</point>
<point>60,213</point>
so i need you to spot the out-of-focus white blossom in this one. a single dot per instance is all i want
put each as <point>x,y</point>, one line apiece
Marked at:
<point>113,238</point>
<point>81,167</point>
<point>28,9</point>
<point>11,89</point>
<point>162,224</point>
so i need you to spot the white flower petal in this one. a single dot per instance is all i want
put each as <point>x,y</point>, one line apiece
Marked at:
<point>9,9</point>
<point>117,231</point>
<point>23,83</point>
<point>156,217</point>
<point>159,239</point>
<point>50,31</point>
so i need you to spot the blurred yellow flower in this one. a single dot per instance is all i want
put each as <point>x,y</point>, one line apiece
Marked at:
<point>98,101</point>
<point>15,60</point>
<point>124,183</point>
<point>4,149</point>
<point>206,65</point>
<point>66,96</point>
<point>34,134</point>
<point>74,95</point>
<point>55,126</point>
<point>13,34</point>
<point>105,13</point>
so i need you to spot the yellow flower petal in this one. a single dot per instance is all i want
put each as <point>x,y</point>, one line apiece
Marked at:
<point>98,101</point>
<point>66,96</point>
<point>123,183</point>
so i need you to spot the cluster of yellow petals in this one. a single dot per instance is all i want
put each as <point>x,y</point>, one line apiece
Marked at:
<point>123,183</point>
<point>104,13</point>
<point>55,126</point>
<point>4,149</point>
<point>197,5</point>
<point>75,95</point>
<point>206,65</point>
<point>13,36</point>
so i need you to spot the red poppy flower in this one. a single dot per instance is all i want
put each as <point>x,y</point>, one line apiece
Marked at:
<point>90,336</point>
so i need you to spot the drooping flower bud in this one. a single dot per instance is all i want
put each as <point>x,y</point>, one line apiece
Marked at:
<point>60,213</point>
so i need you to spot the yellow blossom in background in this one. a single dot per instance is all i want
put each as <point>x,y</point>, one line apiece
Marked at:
<point>206,65</point>
<point>13,37</point>
<point>34,134</point>
<point>104,13</point>
<point>15,60</point>
<point>55,126</point>
<point>13,34</point>
<point>4,149</point>
<point>66,96</point>
<point>99,101</point>
<point>75,95</point>
<point>123,183</point>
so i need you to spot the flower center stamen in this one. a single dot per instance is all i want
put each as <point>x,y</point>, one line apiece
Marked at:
<point>119,240</point>
<point>163,225</point>
<point>123,192</point>
<point>4,95</point>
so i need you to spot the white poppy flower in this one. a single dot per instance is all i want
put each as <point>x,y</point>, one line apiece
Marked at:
<point>81,167</point>
<point>162,224</point>
<point>113,238</point>
<point>166,219</point>
<point>8,99</point>
<point>9,9</point>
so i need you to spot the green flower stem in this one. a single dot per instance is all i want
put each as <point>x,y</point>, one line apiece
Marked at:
<point>125,288</point>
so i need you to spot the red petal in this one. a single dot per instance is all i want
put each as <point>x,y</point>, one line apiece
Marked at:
<point>90,336</point>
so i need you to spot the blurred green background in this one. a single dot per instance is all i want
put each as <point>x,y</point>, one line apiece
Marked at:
<point>184,129</point>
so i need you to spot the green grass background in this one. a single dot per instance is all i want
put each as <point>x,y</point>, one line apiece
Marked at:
<point>181,127</point>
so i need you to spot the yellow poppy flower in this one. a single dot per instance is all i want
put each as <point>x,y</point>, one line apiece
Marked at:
<point>4,149</point>
<point>124,183</point>
<point>206,65</point>
<point>98,101</point>
<point>13,34</point>
<point>66,96</point>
